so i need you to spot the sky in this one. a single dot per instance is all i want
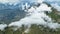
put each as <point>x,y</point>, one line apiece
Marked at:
<point>37,14</point>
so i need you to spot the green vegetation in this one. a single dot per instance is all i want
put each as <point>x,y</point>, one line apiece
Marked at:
<point>34,29</point>
<point>1,32</point>
<point>17,14</point>
<point>17,32</point>
<point>8,30</point>
<point>55,15</point>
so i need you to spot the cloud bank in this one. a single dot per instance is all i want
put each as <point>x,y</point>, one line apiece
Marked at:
<point>37,15</point>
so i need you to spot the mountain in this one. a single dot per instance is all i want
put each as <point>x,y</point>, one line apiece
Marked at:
<point>10,13</point>
<point>15,13</point>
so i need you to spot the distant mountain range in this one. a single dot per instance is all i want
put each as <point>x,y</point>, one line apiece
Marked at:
<point>10,13</point>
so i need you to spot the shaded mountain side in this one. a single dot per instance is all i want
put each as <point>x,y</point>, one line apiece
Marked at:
<point>9,15</point>
<point>55,15</point>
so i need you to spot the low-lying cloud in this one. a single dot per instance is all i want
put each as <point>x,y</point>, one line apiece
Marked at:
<point>38,16</point>
<point>2,26</point>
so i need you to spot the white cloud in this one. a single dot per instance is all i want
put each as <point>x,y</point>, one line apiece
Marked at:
<point>9,1</point>
<point>56,6</point>
<point>44,7</point>
<point>53,0</point>
<point>37,16</point>
<point>2,26</point>
<point>18,1</point>
<point>53,25</point>
<point>26,6</point>
<point>39,1</point>
<point>54,3</point>
<point>27,30</point>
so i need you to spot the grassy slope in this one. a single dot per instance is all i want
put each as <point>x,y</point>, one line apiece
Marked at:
<point>35,29</point>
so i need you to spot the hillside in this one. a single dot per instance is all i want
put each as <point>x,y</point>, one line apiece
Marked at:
<point>29,18</point>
